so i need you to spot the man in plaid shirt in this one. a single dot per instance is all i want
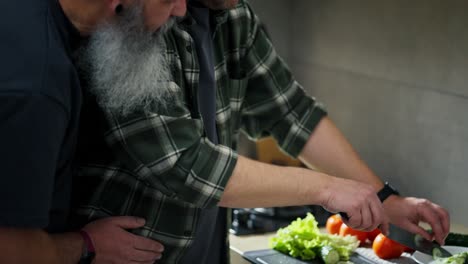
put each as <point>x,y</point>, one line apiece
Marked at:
<point>157,143</point>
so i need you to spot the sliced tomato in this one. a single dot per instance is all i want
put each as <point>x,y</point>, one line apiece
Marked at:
<point>333,224</point>
<point>407,249</point>
<point>385,248</point>
<point>346,230</point>
<point>373,234</point>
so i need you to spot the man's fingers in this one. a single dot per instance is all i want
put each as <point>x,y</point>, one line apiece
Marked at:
<point>443,220</point>
<point>366,218</point>
<point>146,244</point>
<point>127,222</point>
<point>354,218</point>
<point>416,229</point>
<point>385,228</point>
<point>116,245</point>
<point>444,217</point>
<point>372,214</point>
<point>378,214</point>
<point>430,216</point>
<point>141,262</point>
<point>142,256</point>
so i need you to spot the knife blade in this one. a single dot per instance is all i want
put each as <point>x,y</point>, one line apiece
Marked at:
<point>417,242</point>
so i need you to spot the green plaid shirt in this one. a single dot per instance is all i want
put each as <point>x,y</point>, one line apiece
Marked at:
<point>159,165</point>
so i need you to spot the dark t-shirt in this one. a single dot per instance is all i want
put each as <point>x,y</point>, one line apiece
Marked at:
<point>40,99</point>
<point>209,246</point>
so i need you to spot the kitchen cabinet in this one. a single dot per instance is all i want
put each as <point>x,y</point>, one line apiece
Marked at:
<point>269,152</point>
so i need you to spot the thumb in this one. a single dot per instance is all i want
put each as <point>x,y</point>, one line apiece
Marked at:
<point>385,228</point>
<point>127,222</point>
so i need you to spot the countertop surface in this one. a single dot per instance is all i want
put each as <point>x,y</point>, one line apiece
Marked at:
<point>241,244</point>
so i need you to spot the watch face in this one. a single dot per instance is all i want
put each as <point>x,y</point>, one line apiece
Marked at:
<point>386,191</point>
<point>393,190</point>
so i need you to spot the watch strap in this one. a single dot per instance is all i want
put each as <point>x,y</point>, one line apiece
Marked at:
<point>89,252</point>
<point>386,191</point>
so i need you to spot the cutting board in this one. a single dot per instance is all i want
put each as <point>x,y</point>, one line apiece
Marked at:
<point>361,256</point>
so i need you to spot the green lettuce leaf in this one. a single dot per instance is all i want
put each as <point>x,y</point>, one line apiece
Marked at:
<point>303,239</point>
<point>461,258</point>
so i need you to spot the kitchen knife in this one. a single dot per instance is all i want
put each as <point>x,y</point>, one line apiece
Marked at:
<point>417,242</point>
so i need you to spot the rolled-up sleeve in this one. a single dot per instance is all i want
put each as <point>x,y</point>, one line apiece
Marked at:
<point>275,103</point>
<point>172,155</point>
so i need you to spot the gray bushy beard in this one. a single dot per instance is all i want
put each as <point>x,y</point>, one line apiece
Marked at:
<point>126,67</point>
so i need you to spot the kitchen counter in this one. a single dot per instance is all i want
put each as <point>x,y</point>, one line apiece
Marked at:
<point>241,244</point>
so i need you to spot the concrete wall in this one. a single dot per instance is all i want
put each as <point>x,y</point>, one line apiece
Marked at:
<point>394,76</point>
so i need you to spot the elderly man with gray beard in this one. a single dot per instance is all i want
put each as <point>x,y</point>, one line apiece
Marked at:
<point>40,101</point>
<point>163,110</point>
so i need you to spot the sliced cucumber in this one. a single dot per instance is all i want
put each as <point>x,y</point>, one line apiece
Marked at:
<point>436,253</point>
<point>329,255</point>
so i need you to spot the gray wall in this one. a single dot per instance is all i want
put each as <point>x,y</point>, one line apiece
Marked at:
<point>274,14</point>
<point>394,76</point>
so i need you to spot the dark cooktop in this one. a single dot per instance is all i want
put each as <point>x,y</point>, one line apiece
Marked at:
<point>262,220</point>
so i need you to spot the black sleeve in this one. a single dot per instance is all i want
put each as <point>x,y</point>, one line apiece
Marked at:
<point>32,128</point>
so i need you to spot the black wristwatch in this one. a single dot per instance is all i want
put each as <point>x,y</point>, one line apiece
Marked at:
<point>386,191</point>
<point>88,254</point>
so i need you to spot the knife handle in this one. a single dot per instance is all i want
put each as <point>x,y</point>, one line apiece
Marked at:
<point>344,216</point>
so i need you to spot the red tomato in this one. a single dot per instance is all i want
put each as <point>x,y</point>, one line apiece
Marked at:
<point>333,224</point>
<point>346,230</point>
<point>372,234</point>
<point>385,248</point>
<point>407,249</point>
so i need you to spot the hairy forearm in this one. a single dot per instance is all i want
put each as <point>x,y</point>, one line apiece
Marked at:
<point>256,184</point>
<point>36,246</point>
<point>329,151</point>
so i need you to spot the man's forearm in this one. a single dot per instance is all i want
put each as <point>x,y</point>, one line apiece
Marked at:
<point>256,184</point>
<point>329,151</point>
<point>36,246</point>
<point>69,247</point>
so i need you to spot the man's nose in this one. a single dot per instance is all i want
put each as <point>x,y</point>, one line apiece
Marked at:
<point>180,8</point>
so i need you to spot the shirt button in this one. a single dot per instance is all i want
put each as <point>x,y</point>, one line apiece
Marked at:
<point>189,48</point>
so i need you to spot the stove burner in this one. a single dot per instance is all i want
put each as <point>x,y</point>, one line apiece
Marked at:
<point>263,220</point>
